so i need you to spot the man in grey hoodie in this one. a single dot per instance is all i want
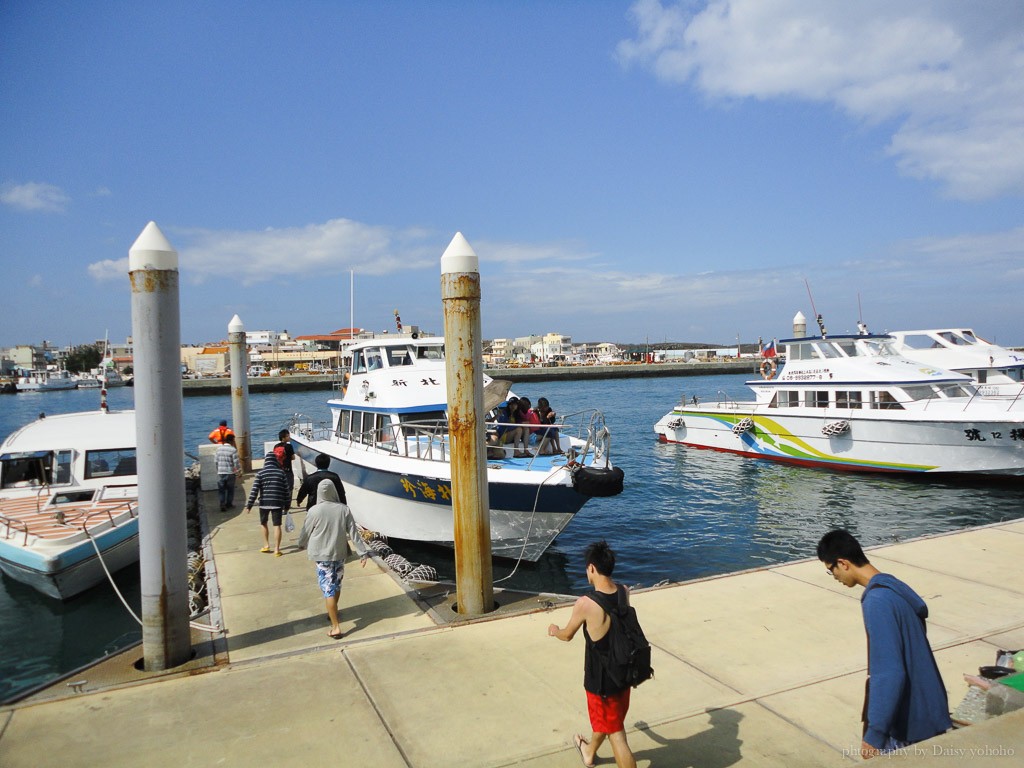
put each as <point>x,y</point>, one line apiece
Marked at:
<point>325,534</point>
<point>905,699</point>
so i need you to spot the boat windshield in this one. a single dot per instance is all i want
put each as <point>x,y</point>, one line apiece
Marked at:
<point>878,348</point>
<point>24,470</point>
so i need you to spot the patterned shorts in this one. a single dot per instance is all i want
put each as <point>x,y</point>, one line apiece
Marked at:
<point>329,574</point>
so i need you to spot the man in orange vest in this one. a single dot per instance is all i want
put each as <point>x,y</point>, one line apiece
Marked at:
<point>218,435</point>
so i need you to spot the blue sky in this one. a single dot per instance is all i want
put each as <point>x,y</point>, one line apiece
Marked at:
<point>626,171</point>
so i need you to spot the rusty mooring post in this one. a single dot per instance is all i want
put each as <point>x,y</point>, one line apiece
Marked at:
<point>460,294</point>
<point>239,355</point>
<point>156,330</point>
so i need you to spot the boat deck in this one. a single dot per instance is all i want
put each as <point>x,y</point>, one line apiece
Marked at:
<point>760,668</point>
<point>26,518</point>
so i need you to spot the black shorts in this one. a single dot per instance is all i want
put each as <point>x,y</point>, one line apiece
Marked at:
<point>274,512</point>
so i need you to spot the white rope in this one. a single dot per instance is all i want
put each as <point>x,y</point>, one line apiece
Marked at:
<point>110,578</point>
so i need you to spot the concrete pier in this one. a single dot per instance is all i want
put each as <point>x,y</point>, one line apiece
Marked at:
<point>760,668</point>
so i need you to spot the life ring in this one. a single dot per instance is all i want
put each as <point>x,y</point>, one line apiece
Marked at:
<point>592,481</point>
<point>768,369</point>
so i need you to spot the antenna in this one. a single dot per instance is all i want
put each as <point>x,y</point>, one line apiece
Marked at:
<point>820,319</point>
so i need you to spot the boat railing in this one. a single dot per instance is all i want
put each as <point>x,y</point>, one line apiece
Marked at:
<point>89,521</point>
<point>13,527</point>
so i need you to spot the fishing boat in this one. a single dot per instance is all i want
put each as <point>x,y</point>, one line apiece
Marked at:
<point>68,501</point>
<point>852,402</point>
<point>997,371</point>
<point>388,440</point>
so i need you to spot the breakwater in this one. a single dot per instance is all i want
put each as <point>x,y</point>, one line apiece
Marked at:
<point>309,382</point>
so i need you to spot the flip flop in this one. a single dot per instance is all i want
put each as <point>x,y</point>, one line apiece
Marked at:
<point>279,554</point>
<point>579,741</point>
<point>336,636</point>
<point>265,549</point>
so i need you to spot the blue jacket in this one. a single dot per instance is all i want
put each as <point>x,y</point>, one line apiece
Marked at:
<point>906,695</point>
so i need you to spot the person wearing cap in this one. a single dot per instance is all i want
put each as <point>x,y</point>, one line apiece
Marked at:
<point>220,432</point>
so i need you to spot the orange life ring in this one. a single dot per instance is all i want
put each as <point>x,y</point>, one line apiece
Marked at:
<point>768,369</point>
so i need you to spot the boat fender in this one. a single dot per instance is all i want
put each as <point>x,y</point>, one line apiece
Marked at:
<point>768,369</point>
<point>742,426</point>
<point>594,481</point>
<point>835,428</point>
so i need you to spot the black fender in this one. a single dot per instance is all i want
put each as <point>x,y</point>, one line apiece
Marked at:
<point>594,481</point>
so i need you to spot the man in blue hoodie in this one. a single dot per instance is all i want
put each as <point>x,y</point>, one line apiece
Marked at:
<point>905,700</point>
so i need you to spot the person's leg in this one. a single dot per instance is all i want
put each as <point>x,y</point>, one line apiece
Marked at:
<point>266,537</point>
<point>230,491</point>
<point>620,748</point>
<point>277,539</point>
<point>222,491</point>
<point>332,614</point>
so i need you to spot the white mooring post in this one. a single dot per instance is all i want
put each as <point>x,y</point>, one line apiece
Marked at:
<point>156,330</point>
<point>239,355</point>
<point>460,294</point>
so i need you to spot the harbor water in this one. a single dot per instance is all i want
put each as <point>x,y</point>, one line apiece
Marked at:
<point>684,513</point>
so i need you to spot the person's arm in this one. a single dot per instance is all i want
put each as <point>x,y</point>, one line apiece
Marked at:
<point>579,615</point>
<point>885,662</point>
<point>303,491</point>
<point>254,493</point>
<point>340,489</point>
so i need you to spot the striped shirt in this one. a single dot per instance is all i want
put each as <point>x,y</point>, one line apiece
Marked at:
<point>270,486</point>
<point>227,459</point>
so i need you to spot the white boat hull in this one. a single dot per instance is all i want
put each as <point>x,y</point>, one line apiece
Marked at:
<point>415,505</point>
<point>867,442</point>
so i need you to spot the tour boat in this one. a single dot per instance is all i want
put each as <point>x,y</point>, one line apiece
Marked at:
<point>852,402</point>
<point>388,440</point>
<point>68,500</point>
<point>997,371</point>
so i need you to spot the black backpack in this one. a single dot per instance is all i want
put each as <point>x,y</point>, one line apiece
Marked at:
<point>629,654</point>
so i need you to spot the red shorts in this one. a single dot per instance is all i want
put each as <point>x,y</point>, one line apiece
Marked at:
<point>608,713</point>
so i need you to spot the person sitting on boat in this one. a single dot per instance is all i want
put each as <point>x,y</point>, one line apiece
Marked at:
<point>220,432</point>
<point>498,436</point>
<point>549,443</point>
<point>526,416</point>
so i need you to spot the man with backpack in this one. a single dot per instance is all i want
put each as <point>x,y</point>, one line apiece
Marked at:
<point>605,682</point>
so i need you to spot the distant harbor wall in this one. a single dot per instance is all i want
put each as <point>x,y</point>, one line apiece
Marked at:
<point>305,382</point>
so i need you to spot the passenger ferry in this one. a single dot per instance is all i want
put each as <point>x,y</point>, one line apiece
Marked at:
<point>388,440</point>
<point>852,402</point>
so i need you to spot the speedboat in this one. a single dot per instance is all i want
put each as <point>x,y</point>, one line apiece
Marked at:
<point>997,371</point>
<point>388,440</point>
<point>854,403</point>
<point>68,501</point>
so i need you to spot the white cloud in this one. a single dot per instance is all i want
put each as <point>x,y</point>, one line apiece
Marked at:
<point>34,196</point>
<point>950,75</point>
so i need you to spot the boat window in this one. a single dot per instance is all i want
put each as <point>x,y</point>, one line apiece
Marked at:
<point>956,390</point>
<point>74,497</point>
<point>919,341</point>
<point>786,399</point>
<point>115,462</point>
<point>829,350</point>
<point>62,471</point>
<point>374,361</point>
<point>399,356</point>
<point>25,470</point>
<point>849,348</point>
<point>432,352</point>
<point>919,392</point>
<point>981,376</point>
<point>956,339</point>
<point>358,361</point>
<point>848,399</point>
<point>1017,374</point>
<point>425,419</point>
<point>816,399</point>
<point>383,434</point>
<point>344,423</point>
<point>887,402</point>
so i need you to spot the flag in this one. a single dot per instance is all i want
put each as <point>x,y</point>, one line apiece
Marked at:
<point>769,350</point>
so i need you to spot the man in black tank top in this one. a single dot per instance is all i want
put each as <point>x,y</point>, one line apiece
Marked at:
<point>607,704</point>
